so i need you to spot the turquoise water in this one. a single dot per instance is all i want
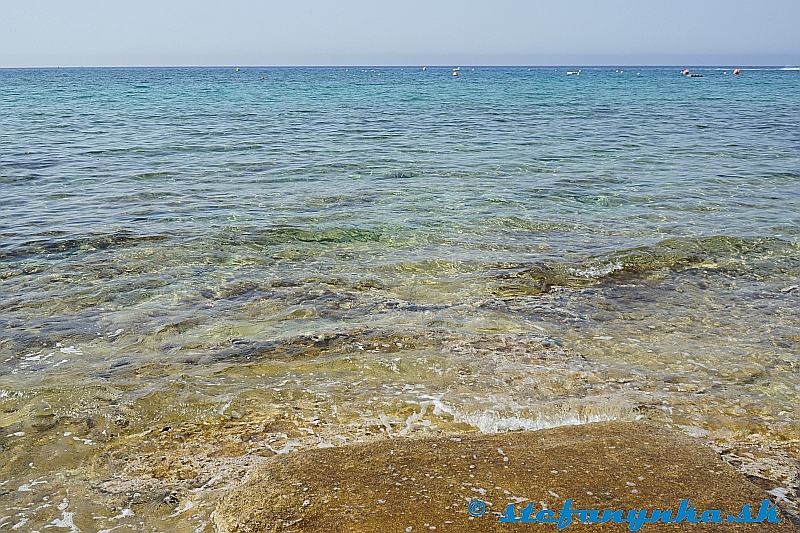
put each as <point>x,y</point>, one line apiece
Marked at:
<point>201,267</point>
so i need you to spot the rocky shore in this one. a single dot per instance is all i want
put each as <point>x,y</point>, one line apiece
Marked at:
<point>415,485</point>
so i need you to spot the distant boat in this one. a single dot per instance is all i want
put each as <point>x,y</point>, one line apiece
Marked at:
<point>574,73</point>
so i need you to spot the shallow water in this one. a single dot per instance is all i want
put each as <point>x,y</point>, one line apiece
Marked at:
<point>200,268</point>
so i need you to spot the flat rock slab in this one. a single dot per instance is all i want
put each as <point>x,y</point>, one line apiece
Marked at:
<point>423,485</point>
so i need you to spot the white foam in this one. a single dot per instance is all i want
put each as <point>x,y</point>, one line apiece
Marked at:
<point>71,350</point>
<point>413,418</point>
<point>491,421</point>
<point>67,520</point>
<point>27,487</point>
<point>289,447</point>
<point>596,271</point>
<point>780,493</point>
<point>188,505</point>
<point>38,357</point>
<point>126,513</point>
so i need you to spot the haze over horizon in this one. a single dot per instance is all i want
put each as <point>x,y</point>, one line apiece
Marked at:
<point>357,32</point>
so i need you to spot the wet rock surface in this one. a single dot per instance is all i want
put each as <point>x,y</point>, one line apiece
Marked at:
<point>410,485</point>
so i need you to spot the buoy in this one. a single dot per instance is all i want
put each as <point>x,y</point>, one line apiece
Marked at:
<point>736,72</point>
<point>237,69</point>
<point>685,72</point>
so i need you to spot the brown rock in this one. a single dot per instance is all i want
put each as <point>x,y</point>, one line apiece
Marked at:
<point>416,485</point>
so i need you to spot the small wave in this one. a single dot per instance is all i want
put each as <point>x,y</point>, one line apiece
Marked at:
<point>521,224</point>
<point>31,164</point>
<point>88,243</point>
<point>492,421</point>
<point>290,234</point>
<point>154,175</point>
<point>400,174</point>
<point>595,272</point>
<point>735,255</point>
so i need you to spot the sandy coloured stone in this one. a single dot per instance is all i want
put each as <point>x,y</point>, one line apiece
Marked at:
<point>423,485</point>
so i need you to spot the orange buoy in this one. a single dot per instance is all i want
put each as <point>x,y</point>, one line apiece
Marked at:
<point>685,72</point>
<point>736,72</point>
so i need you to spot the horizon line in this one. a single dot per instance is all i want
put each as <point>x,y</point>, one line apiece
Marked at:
<point>418,65</point>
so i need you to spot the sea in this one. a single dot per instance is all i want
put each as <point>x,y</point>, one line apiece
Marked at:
<point>203,268</point>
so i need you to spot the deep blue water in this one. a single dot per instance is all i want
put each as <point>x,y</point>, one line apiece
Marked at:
<point>182,150</point>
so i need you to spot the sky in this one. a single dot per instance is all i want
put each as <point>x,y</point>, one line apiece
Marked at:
<point>400,32</point>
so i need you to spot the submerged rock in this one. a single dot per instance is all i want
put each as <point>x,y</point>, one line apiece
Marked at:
<point>427,484</point>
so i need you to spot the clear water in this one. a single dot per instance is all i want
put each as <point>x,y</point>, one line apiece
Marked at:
<point>200,268</point>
